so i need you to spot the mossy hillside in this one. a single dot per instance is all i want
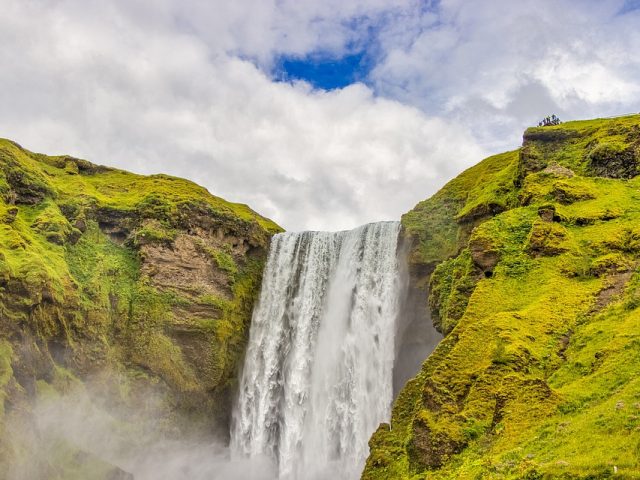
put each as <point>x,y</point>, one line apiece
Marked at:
<point>600,147</point>
<point>451,285</point>
<point>155,196</point>
<point>134,284</point>
<point>440,225</point>
<point>536,377</point>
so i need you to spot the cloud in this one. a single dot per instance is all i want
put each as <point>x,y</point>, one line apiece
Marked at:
<point>507,63</point>
<point>265,29</point>
<point>141,95</point>
<point>185,88</point>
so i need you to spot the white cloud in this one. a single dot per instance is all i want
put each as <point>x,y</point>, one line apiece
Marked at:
<point>180,87</point>
<point>503,63</point>
<point>156,99</point>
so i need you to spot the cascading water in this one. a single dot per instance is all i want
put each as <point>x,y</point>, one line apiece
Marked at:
<point>317,378</point>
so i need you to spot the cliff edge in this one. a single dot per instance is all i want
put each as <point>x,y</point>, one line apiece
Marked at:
<point>530,263</point>
<point>136,290</point>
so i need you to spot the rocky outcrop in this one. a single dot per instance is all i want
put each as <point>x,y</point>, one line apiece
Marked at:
<point>127,286</point>
<point>547,239</point>
<point>615,159</point>
<point>538,300</point>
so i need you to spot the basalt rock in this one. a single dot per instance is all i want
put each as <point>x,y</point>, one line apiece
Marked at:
<point>615,160</point>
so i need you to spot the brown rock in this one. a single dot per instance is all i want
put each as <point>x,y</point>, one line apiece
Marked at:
<point>430,448</point>
<point>483,253</point>
<point>185,266</point>
<point>559,171</point>
<point>80,224</point>
<point>546,213</point>
<point>11,214</point>
<point>609,160</point>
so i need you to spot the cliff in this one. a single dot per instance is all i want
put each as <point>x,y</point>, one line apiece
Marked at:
<point>137,290</point>
<point>529,260</point>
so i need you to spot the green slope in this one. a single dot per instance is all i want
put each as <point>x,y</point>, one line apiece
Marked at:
<point>137,289</point>
<point>532,260</point>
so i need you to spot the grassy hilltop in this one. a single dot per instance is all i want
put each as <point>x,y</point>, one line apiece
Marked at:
<point>131,287</point>
<point>531,260</point>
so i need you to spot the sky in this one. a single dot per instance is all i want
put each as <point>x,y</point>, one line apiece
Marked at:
<point>320,114</point>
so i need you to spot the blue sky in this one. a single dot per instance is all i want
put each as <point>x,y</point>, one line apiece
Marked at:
<point>323,70</point>
<point>320,114</point>
<point>329,70</point>
<point>629,6</point>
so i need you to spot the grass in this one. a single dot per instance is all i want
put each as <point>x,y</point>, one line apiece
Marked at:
<point>537,377</point>
<point>441,224</point>
<point>78,293</point>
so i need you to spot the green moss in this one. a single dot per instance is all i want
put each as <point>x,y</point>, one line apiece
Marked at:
<point>611,263</point>
<point>155,196</point>
<point>548,239</point>
<point>441,224</point>
<point>5,188</point>
<point>493,191</point>
<point>232,329</point>
<point>537,379</point>
<point>573,190</point>
<point>451,285</point>
<point>71,168</point>
<point>225,262</point>
<point>52,225</point>
<point>222,257</point>
<point>83,295</point>
<point>571,144</point>
<point>23,182</point>
<point>222,304</point>
<point>154,232</point>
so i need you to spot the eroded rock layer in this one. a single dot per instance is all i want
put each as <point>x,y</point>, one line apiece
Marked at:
<point>135,290</point>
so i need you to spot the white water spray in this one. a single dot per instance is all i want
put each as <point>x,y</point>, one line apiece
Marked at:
<point>317,378</point>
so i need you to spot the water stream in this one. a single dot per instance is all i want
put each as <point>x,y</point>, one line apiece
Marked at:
<point>318,372</point>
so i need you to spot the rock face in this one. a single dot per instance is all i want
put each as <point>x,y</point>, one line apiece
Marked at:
<point>131,287</point>
<point>531,261</point>
<point>547,239</point>
<point>615,159</point>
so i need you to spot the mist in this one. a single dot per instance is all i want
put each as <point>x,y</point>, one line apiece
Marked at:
<point>73,436</point>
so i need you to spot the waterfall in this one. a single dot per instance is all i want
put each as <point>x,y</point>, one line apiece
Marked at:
<point>317,378</point>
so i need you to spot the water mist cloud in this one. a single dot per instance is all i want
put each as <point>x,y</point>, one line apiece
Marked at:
<point>73,433</point>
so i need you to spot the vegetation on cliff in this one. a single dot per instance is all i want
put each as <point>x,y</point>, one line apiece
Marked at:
<point>139,286</point>
<point>532,261</point>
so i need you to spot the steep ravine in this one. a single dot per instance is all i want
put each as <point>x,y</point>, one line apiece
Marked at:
<point>131,293</point>
<point>529,260</point>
